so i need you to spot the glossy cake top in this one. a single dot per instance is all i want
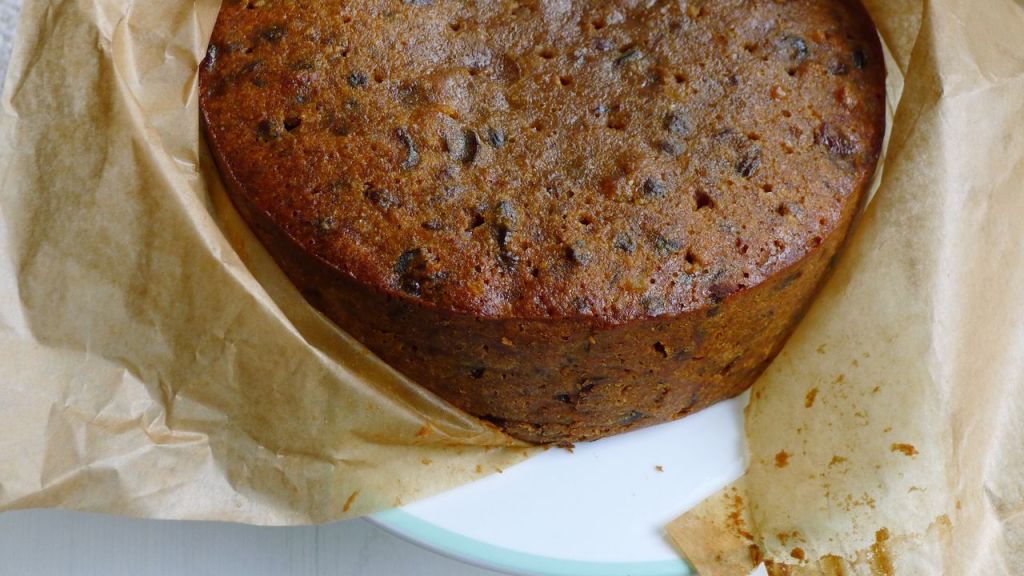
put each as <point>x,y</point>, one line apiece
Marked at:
<point>563,158</point>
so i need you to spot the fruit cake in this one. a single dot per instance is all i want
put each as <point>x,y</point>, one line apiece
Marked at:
<point>569,218</point>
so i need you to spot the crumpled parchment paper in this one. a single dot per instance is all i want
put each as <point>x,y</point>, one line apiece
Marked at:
<point>888,437</point>
<point>155,361</point>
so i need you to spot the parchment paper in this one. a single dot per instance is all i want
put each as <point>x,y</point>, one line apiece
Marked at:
<point>888,438</point>
<point>155,362</point>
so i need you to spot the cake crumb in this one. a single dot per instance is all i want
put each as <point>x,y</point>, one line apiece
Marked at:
<point>905,449</point>
<point>756,555</point>
<point>351,499</point>
<point>809,399</point>
<point>659,468</point>
<point>782,459</point>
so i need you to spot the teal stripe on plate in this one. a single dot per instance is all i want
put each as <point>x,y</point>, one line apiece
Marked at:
<point>489,556</point>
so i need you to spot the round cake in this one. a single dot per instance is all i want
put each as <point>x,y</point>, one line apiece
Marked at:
<point>569,218</point>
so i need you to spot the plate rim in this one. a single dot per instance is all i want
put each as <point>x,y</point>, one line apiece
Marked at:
<point>460,547</point>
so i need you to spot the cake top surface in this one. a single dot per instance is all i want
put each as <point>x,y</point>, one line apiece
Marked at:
<point>562,158</point>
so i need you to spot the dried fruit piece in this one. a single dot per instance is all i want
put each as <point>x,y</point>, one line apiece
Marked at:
<point>670,147</point>
<point>631,54</point>
<point>496,137</point>
<point>410,264</point>
<point>838,68</point>
<point>795,48</point>
<point>505,217</point>
<point>578,254</point>
<point>382,198</point>
<point>663,246</point>
<point>860,59</point>
<point>507,70</point>
<point>412,156</point>
<point>268,130</point>
<point>463,146</point>
<point>411,94</point>
<point>632,417</point>
<point>653,188</point>
<point>749,162</point>
<point>325,225</point>
<point>624,242</point>
<point>273,34</point>
<point>211,58</point>
<point>412,272</point>
<point>677,123</point>
<point>357,79</point>
<point>338,125</point>
<point>833,138</point>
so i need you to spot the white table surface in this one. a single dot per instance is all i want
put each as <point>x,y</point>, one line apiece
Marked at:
<point>58,543</point>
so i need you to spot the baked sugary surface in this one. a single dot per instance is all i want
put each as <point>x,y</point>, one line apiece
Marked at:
<point>571,218</point>
<point>547,159</point>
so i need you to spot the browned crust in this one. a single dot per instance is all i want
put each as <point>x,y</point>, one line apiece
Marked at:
<point>573,376</point>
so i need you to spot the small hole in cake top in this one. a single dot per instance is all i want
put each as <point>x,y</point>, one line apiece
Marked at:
<point>476,221</point>
<point>619,121</point>
<point>703,200</point>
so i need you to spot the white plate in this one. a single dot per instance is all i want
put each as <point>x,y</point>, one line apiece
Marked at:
<point>599,511</point>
